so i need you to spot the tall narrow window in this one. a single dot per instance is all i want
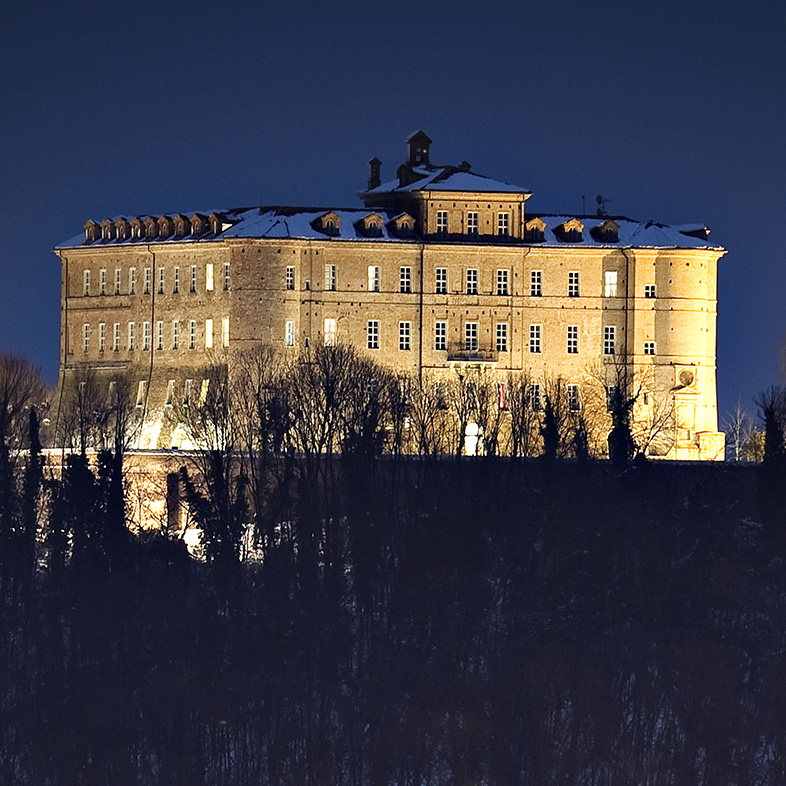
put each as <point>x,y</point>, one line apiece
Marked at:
<point>209,277</point>
<point>132,281</point>
<point>101,336</point>
<point>208,334</point>
<point>442,281</point>
<point>102,281</point>
<point>609,339</point>
<point>372,334</point>
<point>373,278</point>
<point>573,340</point>
<point>472,281</point>
<point>146,336</point>
<point>503,224</point>
<point>441,335</point>
<point>330,278</point>
<point>329,332</point>
<point>225,332</point>
<point>117,280</point>
<point>573,398</point>
<point>290,277</point>
<point>161,281</point>
<point>148,280</point>
<point>193,279</point>
<point>536,283</point>
<point>573,283</point>
<point>534,397</point>
<point>535,336</point>
<point>176,286</point>
<point>442,222</point>
<point>175,334</point>
<point>405,279</point>
<point>86,283</point>
<point>502,282</point>
<point>502,336</point>
<point>472,222</point>
<point>610,283</point>
<point>471,336</point>
<point>226,276</point>
<point>188,393</point>
<point>141,389</point>
<point>170,393</point>
<point>131,336</point>
<point>405,335</point>
<point>85,338</point>
<point>289,333</point>
<point>116,337</point>
<point>192,334</point>
<point>159,335</point>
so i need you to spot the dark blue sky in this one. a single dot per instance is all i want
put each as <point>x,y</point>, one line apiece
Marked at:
<point>673,111</point>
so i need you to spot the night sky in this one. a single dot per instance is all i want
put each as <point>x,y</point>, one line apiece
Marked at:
<point>673,111</point>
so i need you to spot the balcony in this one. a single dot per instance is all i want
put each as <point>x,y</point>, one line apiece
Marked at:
<point>459,353</point>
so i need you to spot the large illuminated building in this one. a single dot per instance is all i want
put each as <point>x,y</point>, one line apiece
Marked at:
<point>441,269</point>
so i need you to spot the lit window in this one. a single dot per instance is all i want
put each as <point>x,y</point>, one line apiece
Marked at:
<point>146,336</point>
<point>131,336</point>
<point>132,281</point>
<point>225,332</point>
<point>289,334</point>
<point>503,224</point>
<point>372,334</point>
<point>140,393</point>
<point>175,334</point>
<point>442,222</point>
<point>208,334</point>
<point>203,390</point>
<point>404,335</point>
<point>609,339</point>
<point>116,337</point>
<point>117,280</point>
<point>573,339</point>
<point>502,282</point>
<point>471,336</point>
<point>226,276</point>
<point>573,398</point>
<point>329,332</point>
<point>442,281</point>
<point>102,281</point>
<point>192,334</point>
<point>193,278</point>
<point>85,338</point>
<point>290,277</point>
<point>101,336</point>
<point>649,347</point>
<point>610,283</point>
<point>536,283</point>
<point>330,278</point>
<point>573,284</point>
<point>649,290</point>
<point>472,222</point>
<point>209,277</point>
<point>148,280</point>
<point>472,281</point>
<point>86,283</point>
<point>373,278</point>
<point>502,336</point>
<point>534,397</point>
<point>405,279</point>
<point>176,287</point>
<point>159,335</point>
<point>160,281</point>
<point>441,335</point>
<point>188,392</point>
<point>535,335</point>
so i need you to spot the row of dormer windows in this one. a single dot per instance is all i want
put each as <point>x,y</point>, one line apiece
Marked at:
<point>163,282</point>
<point>150,228</point>
<point>144,336</point>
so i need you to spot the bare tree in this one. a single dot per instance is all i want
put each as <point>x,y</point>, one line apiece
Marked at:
<point>737,427</point>
<point>525,420</point>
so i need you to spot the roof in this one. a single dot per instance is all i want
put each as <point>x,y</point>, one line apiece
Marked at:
<point>449,178</point>
<point>299,223</point>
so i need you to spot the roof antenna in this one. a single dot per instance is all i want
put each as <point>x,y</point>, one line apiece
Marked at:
<point>602,202</point>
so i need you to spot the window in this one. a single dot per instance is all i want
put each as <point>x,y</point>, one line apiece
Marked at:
<point>116,337</point>
<point>193,278</point>
<point>203,390</point>
<point>610,396</point>
<point>175,334</point>
<point>132,281</point>
<point>372,334</point>
<point>536,283</point>
<point>573,339</point>
<point>226,276</point>
<point>101,336</point>
<point>534,397</point>
<point>405,279</point>
<point>140,393</point>
<point>192,334</point>
<point>160,281</point>
<point>289,335</point>
<point>131,336</point>
<point>442,281</point>
<point>209,277</point>
<point>330,278</point>
<point>535,335</point>
<point>649,347</point>
<point>329,332</point>
<point>471,336</point>
<point>188,392</point>
<point>610,283</point>
<point>649,290</point>
<point>86,283</point>
<point>117,280</point>
<point>176,287</point>
<point>170,393</point>
<point>373,278</point>
<point>442,222</point>
<point>472,281</point>
<point>85,338</point>
<point>102,281</point>
<point>503,224</point>
<point>148,280</point>
<point>573,284</point>
<point>573,398</point>
<point>441,335</point>
<point>404,335</point>
<point>225,332</point>
<point>502,282</point>
<point>159,335</point>
<point>472,222</point>
<point>146,336</point>
<point>502,336</point>
<point>208,334</point>
<point>609,339</point>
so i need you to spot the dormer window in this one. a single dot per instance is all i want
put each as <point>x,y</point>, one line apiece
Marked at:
<point>136,228</point>
<point>122,229</point>
<point>197,225</point>
<point>534,230</point>
<point>328,223</point>
<point>607,232</point>
<point>571,231</point>
<point>371,225</point>
<point>216,223</point>
<point>182,225</point>
<point>151,227</point>
<point>107,230</point>
<point>403,225</point>
<point>91,231</point>
<point>165,226</point>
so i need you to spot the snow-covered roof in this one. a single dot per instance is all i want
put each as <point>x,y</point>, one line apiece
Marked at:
<point>301,223</point>
<point>449,178</point>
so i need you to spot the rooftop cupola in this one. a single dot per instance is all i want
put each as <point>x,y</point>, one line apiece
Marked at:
<point>419,145</point>
<point>374,173</point>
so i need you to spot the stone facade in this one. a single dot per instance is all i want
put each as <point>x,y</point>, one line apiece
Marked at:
<point>441,269</point>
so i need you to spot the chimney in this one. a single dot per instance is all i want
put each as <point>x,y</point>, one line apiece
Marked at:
<point>374,177</point>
